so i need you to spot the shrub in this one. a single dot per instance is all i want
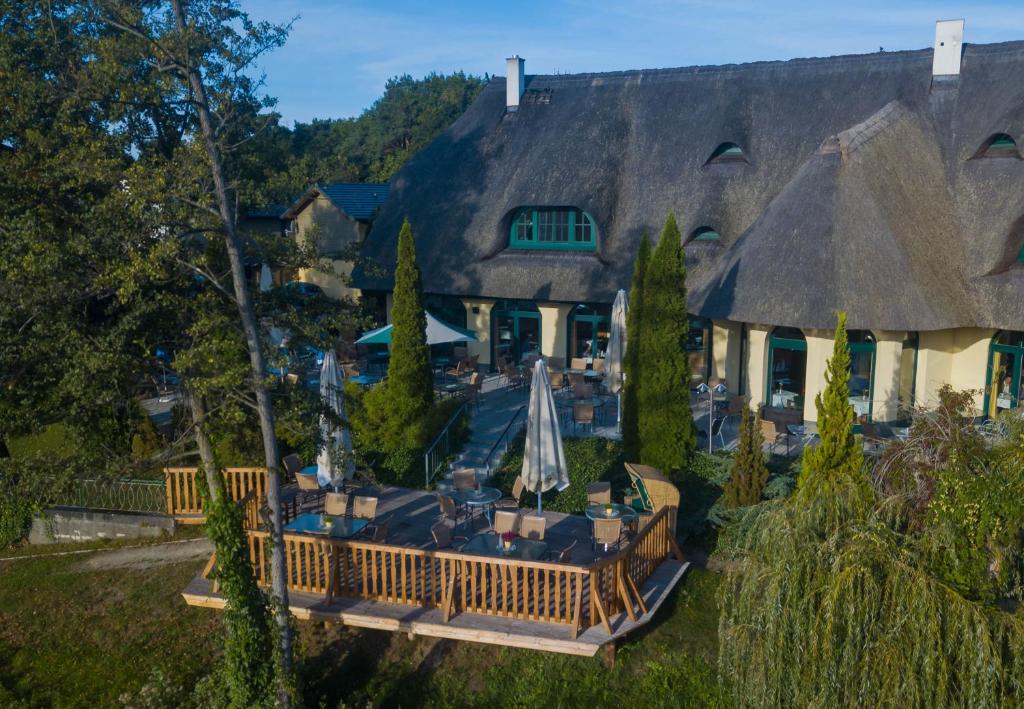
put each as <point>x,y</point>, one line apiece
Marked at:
<point>631,360</point>
<point>749,471</point>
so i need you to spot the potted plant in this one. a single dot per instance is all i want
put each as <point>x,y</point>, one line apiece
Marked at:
<point>608,509</point>
<point>506,540</point>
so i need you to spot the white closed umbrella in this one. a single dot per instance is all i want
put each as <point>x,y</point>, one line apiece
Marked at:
<point>617,351</point>
<point>266,278</point>
<point>337,441</point>
<point>543,457</point>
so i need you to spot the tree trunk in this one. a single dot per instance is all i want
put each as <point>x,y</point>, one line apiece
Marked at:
<point>214,481</point>
<point>279,585</point>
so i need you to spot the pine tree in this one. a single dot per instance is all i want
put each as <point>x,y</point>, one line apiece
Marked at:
<point>838,459</point>
<point>409,393</point>
<point>631,359</point>
<point>749,472</point>
<point>667,436</point>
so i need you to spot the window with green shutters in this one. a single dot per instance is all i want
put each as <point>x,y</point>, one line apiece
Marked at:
<point>553,228</point>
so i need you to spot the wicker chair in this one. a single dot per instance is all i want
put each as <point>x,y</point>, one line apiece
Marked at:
<point>450,510</point>
<point>336,504</point>
<point>583,390</point>
<point>349,371</point>
<point>309,487</point>
<point>599,365</point>
<point>576,380</point>
<point>292,465</point>
<point>532,526</point>
<point>556,364</point>
<point>582,415</point>
<point>513,501</point>
<point>506,522</point>
<point>464,478</point>
<point>557,380</point>
<point>599,493</point>
<point>377,531</point>
<point>364,507</point>
<point>564,556</point>
<point>443,536</point>
<point>771,434</point>
<point>607,532</point>
<point>578,363</point>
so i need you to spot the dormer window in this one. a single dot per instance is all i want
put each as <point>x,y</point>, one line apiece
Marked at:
<point>705,233</point>
<point>999,145</point>
<point>727,152</point>
<point>564,228</point>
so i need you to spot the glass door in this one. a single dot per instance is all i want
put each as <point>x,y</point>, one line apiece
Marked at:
<point>1004,380</point>
<point>516,330</point>
<point>787,369</point>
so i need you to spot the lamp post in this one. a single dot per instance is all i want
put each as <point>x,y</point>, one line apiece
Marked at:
<point>711,391</point>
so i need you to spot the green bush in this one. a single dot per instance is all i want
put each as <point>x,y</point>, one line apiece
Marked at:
<point>15,516</point>
<point>588,460</point>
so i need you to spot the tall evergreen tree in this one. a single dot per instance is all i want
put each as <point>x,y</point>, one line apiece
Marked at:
<point>667,436</point>
<point>749,472</point>
<point>631,360</point>
<point>409,390</point>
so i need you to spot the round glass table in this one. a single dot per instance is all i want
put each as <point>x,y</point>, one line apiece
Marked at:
<point>614,511</point>
<point>483,496</point>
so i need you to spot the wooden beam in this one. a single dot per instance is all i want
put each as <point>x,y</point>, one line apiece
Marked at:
<point>449,598</point>
<point>636,592</point>
<point>577,621</point>
<point>625,597</point>
<point>596,598</point>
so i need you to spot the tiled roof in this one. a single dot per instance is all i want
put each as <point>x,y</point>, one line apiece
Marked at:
<point>356,200</point>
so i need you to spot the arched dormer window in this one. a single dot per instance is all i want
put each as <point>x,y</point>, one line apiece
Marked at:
<point>999,145</point>
<point>727,152</point>
<point>705,233</point>
<point>560,228</point>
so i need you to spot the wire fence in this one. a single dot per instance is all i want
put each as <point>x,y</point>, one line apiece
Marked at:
<point>115,495</point>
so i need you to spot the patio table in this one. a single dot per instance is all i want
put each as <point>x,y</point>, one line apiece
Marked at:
<point>364,380</point>
<point>624,512</point>
<point>340,527</point>
<point>804,433</point>
<point>449,390</point>
<point>484,497</point>
<point>489,544</point>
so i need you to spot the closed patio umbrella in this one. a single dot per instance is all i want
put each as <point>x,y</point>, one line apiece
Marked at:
<point>438,333</point>
<point>617,350</point>
<point>335,437</point>
<point>266,278</point>
<point>543,457</point>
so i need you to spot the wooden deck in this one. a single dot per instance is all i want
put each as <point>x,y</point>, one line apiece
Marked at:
<point>408,585</point>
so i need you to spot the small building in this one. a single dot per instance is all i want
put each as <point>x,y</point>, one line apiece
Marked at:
<point>888,185</point>
<point>335,218</point>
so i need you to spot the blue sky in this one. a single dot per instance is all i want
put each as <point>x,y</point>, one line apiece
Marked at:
<point>341,52</point>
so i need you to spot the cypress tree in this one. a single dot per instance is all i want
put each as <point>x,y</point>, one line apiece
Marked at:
<point>631,359</point>
<point>838,459</point>
<point>410,386</point>
<point>667,436</point>
<point>749,472</point>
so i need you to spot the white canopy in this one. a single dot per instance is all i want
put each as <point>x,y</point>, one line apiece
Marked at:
<point>337,441</point>
<point>266,278</point>
<point>543,457</point>
<point>617,343</point>
<point>438,333</point>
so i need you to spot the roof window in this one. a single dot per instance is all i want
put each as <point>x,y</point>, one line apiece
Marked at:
<point>727,152</point>
<point>999,145</point>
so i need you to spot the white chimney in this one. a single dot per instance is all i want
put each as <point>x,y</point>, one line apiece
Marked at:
<point>949,39</point>
<point>515,82</point>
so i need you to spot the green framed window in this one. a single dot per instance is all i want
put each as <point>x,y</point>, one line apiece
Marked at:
<point>1004,390</point>
<point>861,344</point>
<point>787,369</point>
<point>588,330</point>
<point>558,228</point>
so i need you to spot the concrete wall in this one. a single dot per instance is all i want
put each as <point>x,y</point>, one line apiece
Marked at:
<point>554,328</point>
<point>726,344</point>
<point>478,319</point>
<point>333,232</point>
<point>75,525</point>
<point>885,393</point>
<point>757,363</point>
<point>957,357</point>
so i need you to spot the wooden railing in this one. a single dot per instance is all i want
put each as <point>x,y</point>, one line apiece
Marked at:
<point>183,485</point>
<point>572,595</point>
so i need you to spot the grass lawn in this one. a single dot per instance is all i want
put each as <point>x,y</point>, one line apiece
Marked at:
<point>73,637</point>
<point>51,440</point>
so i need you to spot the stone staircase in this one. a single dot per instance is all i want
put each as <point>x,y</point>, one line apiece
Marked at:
<point>488,422</point>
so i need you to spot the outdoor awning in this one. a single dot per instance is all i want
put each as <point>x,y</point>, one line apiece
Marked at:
<point>438,333</point>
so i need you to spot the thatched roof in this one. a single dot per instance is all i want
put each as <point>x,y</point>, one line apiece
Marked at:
<point>858,190</point>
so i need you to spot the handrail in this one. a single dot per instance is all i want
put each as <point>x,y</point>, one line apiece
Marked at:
<point>502,437</point>
<point>432,450</point>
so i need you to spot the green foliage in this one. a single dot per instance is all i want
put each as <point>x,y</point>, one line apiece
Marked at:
<point>749,470</point>
<point>587,460</point>
<point>631,359</point>
<point>405,398</point>
<point>15,515</point>
<point>665,421</point>
<point>838,458</point>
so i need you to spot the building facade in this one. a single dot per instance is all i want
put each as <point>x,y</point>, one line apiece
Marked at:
<point>890,186</point>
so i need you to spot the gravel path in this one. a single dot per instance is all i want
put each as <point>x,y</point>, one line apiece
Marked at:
<point>150,555</point>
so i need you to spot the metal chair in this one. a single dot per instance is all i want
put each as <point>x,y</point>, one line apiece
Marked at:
<point>583,391</point>
<point>599,493</point>
<point>506,522</point>
<point>556,364</point>
<point>564,556</point>
<point>598,365</point>
<point>578,363</point>
<point>518,488</point>
<point>607,532</point>
<point>716,429</point>
<point>450,510</point>
<point>557,380</point>
<point>364,507</point>
<point>292,465</point>
<point>377,531</point>
<point>336,504</point>
<point>309,486</point>
<point>771,434</point>
<point>532,526</point>
<point>464,478</point>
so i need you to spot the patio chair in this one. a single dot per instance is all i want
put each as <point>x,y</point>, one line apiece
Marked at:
<point>607,532</point>
<point>532,526</point>
<point>735,406</point>
<point>450,510</point>
<point>506,522</point>
<point>599,493</point>
<point>575,380</point>
<point>364,507</point>
<point>514,500</point>
<point>349,371</point>
<point>473,362</point>
<point>336,504</point>
<point>577,363</point>
<point>457,371</point>
<point>377,531</point>
<point>557,380</point>
<point>582,415</point>
<point>716,429</point>
<point>464,478</point>
<point>443,536</point>
<point>771,434</point>
<point>473,388</point>
<point>598,365</point>
<point>292,465</point>
<point>556,364</point>
<point>564,556</point>
<point>583,391</point>
<point>459,352</point>
<point>309,487</point>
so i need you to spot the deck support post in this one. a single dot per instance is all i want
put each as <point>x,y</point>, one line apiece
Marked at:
<point>608,655</point>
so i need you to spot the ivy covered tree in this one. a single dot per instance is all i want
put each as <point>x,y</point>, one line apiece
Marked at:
<point>665,421</point>
<point>749,470</point>
<point>631,360</point>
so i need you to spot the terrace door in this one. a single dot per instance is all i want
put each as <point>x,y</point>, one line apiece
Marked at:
<point>1003,390</point>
